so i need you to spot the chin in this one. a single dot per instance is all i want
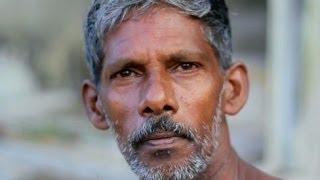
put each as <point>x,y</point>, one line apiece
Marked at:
<point>183,168</point>
<point>174,159</point>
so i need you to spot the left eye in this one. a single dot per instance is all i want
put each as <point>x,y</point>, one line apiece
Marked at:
<point>186,66</point>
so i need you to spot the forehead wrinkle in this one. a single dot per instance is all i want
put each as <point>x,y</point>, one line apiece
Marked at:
<point>176,47</point>
<point>156,33</point>
<point>156,17</point>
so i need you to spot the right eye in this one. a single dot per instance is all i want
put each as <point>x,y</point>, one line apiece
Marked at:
<point>125,73</point>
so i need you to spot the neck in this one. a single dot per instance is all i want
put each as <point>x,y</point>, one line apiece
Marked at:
<point>227,165</point>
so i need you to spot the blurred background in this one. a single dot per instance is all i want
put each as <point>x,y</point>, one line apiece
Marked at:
<point>44,133</point>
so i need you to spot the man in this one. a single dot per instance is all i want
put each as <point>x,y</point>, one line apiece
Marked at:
<point>163,80</point>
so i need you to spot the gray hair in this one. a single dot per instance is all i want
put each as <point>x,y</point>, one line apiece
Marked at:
<point>105,15</point>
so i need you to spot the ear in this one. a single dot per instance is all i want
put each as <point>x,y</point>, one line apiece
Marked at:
<point>93,105</point>
<point>236,88</point>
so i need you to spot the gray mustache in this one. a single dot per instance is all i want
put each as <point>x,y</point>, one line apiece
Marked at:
<point>159,124</point>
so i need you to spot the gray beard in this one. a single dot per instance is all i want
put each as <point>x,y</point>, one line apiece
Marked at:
<point>188,168</point>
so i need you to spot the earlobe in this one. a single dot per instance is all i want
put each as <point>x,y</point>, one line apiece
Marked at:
<point>236,89</point>
<point>93,105</point>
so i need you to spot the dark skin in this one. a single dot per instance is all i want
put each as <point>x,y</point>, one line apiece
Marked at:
<point>162,63</point>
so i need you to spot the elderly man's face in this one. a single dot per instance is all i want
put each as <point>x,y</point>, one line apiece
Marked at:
<point>162,92</point>
<point>160,87</point>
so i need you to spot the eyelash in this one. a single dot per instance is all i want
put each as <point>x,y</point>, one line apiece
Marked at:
<point>130,71</point>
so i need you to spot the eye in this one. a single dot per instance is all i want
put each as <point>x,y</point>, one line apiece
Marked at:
<point>125,73</point>
<point>186,66</point>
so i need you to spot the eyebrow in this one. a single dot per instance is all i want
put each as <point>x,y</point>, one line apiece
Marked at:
<point>178,56</point>
<point>183,54</point>
<point>124,63</point>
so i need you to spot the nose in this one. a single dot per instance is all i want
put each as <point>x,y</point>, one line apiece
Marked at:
<point>157,97</point>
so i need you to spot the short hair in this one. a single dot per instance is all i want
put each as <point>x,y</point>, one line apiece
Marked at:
<point>105,15</point>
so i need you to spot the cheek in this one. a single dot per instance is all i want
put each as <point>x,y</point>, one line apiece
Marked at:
<point>198,104</point>
<point>122,112</point>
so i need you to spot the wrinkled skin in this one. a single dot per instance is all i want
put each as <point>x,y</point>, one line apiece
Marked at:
<point>160,65</point>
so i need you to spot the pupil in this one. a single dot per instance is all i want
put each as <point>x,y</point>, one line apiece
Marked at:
<point>125,73</point>
<point>186,66</point>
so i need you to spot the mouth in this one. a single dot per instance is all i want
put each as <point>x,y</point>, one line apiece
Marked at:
<point>164,146</point>
<point>161,139</point>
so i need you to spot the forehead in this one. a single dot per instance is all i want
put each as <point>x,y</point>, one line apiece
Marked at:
<point>159,31</point>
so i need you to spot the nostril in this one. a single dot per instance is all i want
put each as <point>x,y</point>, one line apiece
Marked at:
<point>167,108</point>
<point>147,110</point>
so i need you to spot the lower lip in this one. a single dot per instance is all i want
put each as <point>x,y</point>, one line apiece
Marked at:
<point>162,141</point>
